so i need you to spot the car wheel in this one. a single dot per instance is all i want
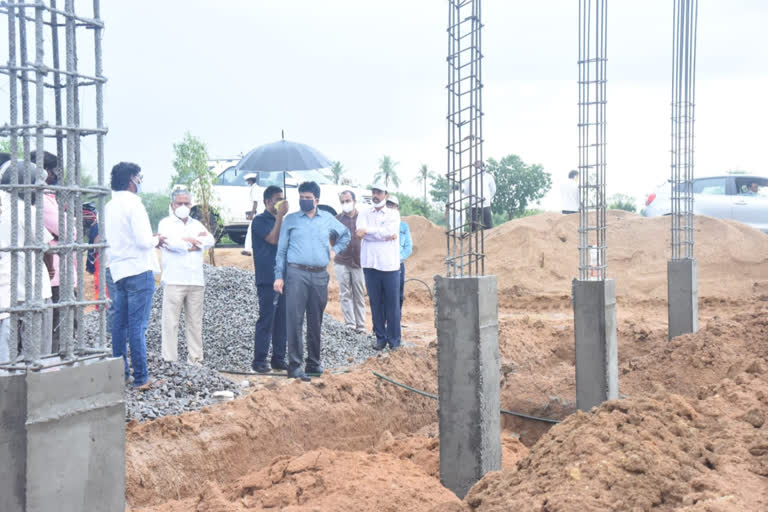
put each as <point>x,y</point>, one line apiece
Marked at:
<point>327,208</point>
<point>237,236</point>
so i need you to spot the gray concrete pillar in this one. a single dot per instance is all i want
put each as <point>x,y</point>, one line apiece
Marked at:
<point>65,441</point>
<point>468,380</point>
<point>682,297</point>
<point>597,365</point>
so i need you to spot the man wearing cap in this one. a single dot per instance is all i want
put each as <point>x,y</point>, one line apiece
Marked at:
<point>349,273</point>
<point>378,227</point>
<point>183,281</point>
<point>253,194</point>
<point>406,246</point>
<point>301,272</point>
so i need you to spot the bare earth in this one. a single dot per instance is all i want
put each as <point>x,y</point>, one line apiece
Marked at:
<point>689,434</point>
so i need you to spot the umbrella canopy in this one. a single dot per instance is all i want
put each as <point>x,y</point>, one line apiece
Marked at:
<point>283,155</point>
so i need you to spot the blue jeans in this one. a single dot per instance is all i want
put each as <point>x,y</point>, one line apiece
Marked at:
<point>132,303</point>
<point>384,297</point>
<point>270,327</point>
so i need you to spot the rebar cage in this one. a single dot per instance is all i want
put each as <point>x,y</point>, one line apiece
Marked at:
<point>36,79</point>
<point>465,240</point>
<point>592,163</point>
<point>685,24</point>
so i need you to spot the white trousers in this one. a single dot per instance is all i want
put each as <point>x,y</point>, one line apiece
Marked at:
<point>248,245</point>
<point>191,298</point>
<point>352,295</point>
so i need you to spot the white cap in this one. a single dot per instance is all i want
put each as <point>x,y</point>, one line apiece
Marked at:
<point>379,186</point>
<point>251,176</point>
<point>393,199</point>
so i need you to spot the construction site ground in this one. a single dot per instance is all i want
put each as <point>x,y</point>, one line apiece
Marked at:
<point>689,432</point>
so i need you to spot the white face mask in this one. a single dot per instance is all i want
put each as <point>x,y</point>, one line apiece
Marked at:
<point>347,207</point>
<point>379,204</point>
<point>182,212</point>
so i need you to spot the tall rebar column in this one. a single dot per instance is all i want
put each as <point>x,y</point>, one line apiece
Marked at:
<point>682,268</point>
<point>465,245</point>
<point>594,295</point>
<point>466,300</point>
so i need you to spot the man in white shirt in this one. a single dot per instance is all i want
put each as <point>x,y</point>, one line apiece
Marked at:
<point>253,195</point>
<point>378,227</point>
<point>481,217</point>
<point>132,264</point>
<point>569,194</point>
<point>183,281</point>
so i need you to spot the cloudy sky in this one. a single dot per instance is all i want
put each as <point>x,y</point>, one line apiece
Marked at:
<point>358,79</point>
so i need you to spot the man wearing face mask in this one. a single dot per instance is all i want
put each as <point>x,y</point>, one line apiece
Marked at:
<point>132,264</point>
<point>380,258</point>
<point>301,272</point>
<point>270,327</point>
<point>349,273</point>
<point>183,283</point>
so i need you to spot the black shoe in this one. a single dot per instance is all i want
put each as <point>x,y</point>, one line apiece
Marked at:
<point>379,346</point>
<point>314,369</point>
<point>279,365</point>
<point>261,367</point>
<point>298,374</point>
<point>392,348</point>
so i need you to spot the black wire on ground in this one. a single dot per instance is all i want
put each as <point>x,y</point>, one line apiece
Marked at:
<point>434,397</point>
<point>422,282</point>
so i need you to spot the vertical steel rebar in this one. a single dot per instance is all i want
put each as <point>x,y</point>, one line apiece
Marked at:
<point>685,27</point>
<point>100,178</point>
<point>465,243</point>
<point>592,64</point>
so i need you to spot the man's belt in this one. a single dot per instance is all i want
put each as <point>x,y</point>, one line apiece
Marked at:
<point>307,267</point>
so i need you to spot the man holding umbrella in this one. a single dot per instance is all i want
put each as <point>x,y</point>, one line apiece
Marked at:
<point>301,273</point>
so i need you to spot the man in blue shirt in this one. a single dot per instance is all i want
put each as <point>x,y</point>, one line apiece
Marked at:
<point>301,271</point>
<point>406,247</point>
<point>270,327</point>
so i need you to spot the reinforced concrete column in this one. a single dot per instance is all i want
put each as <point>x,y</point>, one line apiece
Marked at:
<point>468,379</point>
<point>597,366</point>
<point>683,297</point>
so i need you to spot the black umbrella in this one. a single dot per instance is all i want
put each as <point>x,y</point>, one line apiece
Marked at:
<point>283,155</point>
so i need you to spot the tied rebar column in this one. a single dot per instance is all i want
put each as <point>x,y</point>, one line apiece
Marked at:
<point>465,241</point>
<point>682,270</point>
<point>594,295</point>
<point>63,432</point>
<point>466,302</point>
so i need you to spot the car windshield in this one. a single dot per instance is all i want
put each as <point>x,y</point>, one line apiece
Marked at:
<point>311,175</point>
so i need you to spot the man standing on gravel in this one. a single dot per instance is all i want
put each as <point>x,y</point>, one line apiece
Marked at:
<point>380,258</point>
<point>349,274</point>
<point>132,264</point>
<point>270,327</point>
<point>183,281</point>
<point>301,271</point>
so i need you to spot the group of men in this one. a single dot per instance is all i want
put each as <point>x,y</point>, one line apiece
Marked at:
<point>291,253</point>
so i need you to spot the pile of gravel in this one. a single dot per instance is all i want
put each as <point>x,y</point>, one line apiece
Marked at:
<point>229,319</point>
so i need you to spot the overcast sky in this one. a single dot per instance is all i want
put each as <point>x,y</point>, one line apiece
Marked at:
<point>359,79</point>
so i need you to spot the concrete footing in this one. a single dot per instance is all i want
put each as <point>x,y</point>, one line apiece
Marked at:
<point>62,438</point>
<point>682,297</point>
<point>468,380</point>
<point>597,366</point>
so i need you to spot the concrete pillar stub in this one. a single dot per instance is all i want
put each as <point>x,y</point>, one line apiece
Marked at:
<point>73,434</point>
<point>597,365</point>
<point>468,379</point>
<point>682,297</point>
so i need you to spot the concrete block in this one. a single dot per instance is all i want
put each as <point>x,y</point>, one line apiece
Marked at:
<point>597,365</point>
<point>683,297</point>
<point>13,441</point>
<point>468,379</point>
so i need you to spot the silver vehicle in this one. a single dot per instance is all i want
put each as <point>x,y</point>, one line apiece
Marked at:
<point>739,197</point>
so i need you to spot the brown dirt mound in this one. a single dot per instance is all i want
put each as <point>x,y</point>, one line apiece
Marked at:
<point>661,452</point>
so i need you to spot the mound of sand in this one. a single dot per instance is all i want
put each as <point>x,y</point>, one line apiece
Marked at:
<point>538,255</point>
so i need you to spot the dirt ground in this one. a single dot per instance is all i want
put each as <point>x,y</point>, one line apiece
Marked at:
<point>690,432</point>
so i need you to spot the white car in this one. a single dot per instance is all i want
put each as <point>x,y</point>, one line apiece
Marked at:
<point>725,197</point>
<point>233,202</point>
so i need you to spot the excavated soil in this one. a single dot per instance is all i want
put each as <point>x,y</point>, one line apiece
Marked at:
<point>689,433</point>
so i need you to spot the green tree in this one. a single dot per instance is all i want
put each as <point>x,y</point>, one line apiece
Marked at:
<point>5,145</point>
<point>424,177</point>
<point>622,202</point>
<point>191,164</point>
<point>410,205</point>
<point>336,171</point>
<point>156,204</point>
<point>517,185</point>
<point>387,172</point>
<point>439,191</point>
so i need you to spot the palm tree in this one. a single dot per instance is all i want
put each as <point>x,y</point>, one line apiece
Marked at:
<point>387,172</point>
<point>336,171</point>
<point>423,178</point>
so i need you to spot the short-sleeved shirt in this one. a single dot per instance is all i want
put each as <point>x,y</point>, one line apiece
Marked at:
<point>264,253</point>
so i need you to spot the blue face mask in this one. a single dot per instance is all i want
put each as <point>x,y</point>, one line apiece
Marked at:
<point>306,205</point>
<point>138,186</point>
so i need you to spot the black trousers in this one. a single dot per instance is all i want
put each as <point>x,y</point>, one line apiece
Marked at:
<point>481,218</point>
